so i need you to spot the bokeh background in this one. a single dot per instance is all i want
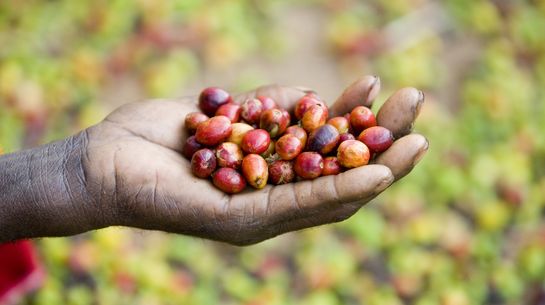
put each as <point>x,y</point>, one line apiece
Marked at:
<point>466,227</point>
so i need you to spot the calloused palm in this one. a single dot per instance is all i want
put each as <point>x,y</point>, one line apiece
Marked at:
<point>134,170</point>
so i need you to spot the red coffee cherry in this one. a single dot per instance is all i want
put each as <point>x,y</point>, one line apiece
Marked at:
<point>213,131</point>
<point>203,163</point>
<point>353,153</point>
<point>309,165</point>
<point>228,180</point>
<point>256,141</point>
<point>212,98</point>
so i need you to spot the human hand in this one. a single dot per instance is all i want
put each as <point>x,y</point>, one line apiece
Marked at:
<point>134,172</point>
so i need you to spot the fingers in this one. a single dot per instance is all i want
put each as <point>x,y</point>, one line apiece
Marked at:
<point>313,197</point>
<point>400,110</point>
<point>404,154</point>
<point>361,92</point>
<point>285,97</point>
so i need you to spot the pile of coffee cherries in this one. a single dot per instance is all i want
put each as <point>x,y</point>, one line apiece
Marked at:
<point>258,142</point>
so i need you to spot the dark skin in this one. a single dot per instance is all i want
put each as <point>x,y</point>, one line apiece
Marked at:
<point>128,171</point>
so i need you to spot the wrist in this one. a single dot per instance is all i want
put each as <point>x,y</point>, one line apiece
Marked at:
<point>43,192</point>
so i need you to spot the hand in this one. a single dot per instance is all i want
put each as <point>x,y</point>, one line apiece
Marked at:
<point>135,173</point>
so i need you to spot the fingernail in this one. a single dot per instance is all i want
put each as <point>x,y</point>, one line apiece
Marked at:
<point>373,90</point>
<point>420,96</point>
<point>384,183</point>
<point>421,153</point>
<point>419,103</point>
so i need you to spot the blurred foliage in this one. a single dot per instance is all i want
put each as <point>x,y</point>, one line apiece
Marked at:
<point>467,226</point>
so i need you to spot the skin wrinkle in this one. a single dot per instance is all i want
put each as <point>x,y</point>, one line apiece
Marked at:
<point>239,221</point>
<point>218,223</point>
<point>318,186</point>
<point>296,201</point>
<point>41,183</point>
<point>154,191</point>
<point>268,205</point>
<point>75,196</point>
<point>116,178</point>
<point>33,198</point>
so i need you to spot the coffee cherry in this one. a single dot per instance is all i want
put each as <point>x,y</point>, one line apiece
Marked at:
<point>274,121</point>
<point>251,110</point>
<point>341,123</point>
<point>298,132</point>
<point>193,119</point>
<point>229,155</point>
<point>212,98</point>
<point>345,136</point>
<point>352,153</point>
<point>314,117</point>
<point>255,141</point>
<point>214,131</point>
<point>331,166</point>
<point>288,147</point>
<point>190,147</point>
<point>231,111</point>
<point>203,163</point>
<point>267,102</point>
<point>304,104</point>
<point>361,118</point>
<point>309,165</point>
<point>377,138</point>
<point>255,170</point>
<point>281,172</point>
<point>228,180</point>
<point>238,131</point>
<point>287,115</point>
<point>323,139</point>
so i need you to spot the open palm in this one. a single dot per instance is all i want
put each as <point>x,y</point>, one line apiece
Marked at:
<point>135,171</point>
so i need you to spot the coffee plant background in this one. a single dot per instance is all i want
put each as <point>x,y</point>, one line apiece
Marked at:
<point>466,227</point>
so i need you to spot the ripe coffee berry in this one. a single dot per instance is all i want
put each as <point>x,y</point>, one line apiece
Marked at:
<point>229,155</point>
<point>190,147</point>
<point>305,103</point>
<point>353,153</point>
<point>341,123</point>
<point>281,172</point>
<point>298,132</point>
<point>331,166</point>
<point>377,138</point>
<point>255,141</point>
<point>251,110</point>
<point>314,117</point>
<point>274,121</point>
<point>309,165</point>
<point>255,170</point>
<point>345,136</point>
<point>203,163</point>
<point>193,119</point>
<point>361,118</point>
<point>231,111</point>
<point>229,180</point>
<point>323,139</point>
<point>212,98</point>
<point>288,147</point>
<point>213,131</point>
